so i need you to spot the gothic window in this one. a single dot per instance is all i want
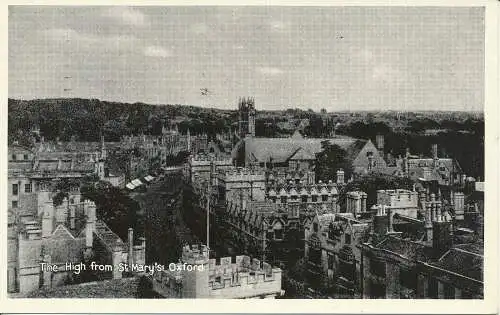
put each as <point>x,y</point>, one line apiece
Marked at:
<point>331,261</point>
<point>278,234</point>
<point>347,239</point>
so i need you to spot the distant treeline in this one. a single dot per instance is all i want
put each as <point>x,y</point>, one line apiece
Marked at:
<point>458,135</point>
<point>88,119</point>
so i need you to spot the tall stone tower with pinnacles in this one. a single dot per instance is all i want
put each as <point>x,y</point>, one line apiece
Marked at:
<point>246,124</point>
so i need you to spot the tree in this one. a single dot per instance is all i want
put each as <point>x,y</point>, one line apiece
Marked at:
<point>114,207</point>
<point>371,183</point>
<point>331,159</point>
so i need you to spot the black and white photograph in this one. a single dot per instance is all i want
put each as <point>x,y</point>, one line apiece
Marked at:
<point>246,152</point>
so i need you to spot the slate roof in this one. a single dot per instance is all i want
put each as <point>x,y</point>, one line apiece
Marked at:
<point>281,149</point>
<point>118,288</point>
<point>410,250</point>
<point>466,260</point>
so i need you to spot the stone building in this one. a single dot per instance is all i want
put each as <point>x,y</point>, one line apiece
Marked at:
<point>333,260</point>
<point>198,276</point>
<point>420,257</point>
<point>295,156</point>
<point>64,236</point>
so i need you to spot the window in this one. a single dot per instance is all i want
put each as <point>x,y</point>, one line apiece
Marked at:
<point>304,198</point>
<point>14,204</point>
<point>315,227</point>
<point>278,234</point>
<point>294,198</point>
<point>433,288</point>
<point>283,199</point>
<point>14,157</point>
<point>377,268</point>
<point>314,198</point>
<point>15,189</point>
<point>348,238</point>
<point>27,188</point>
<point>315,256</point>
<point>369,153</point>
<point>331,261</point>
<point>449,291</point>
<point>324,198</point>
<point>25,156</point>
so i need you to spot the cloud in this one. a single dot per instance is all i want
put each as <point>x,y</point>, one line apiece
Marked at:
<point>269,70</point>
<point>157,51</point>
<point>71,35</point>
<point>126,15</point>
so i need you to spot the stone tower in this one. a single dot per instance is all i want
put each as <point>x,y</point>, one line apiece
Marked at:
<point>195,277</point>
<point>246,124</point>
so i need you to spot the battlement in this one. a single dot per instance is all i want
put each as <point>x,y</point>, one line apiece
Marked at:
<point>203,159</point>
<point>397,197</point>
<point>356,194</point>
<point>245,271</point>
<point>195,254</point>
<point>304,190</point>
<point>241,175</point>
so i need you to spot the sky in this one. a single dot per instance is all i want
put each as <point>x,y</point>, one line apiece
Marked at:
<point>337,58</point>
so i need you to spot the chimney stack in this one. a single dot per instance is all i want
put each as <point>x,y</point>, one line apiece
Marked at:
<point>48,219</point>
<point>434,151</point>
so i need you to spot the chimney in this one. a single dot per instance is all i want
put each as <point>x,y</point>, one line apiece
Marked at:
<point>48,219</point>
<point>90,224</point>
<point>380,220</point>
<point>428,222</point>
<point>388,210</point>
<point>130,246</point>
<point>434,151</point>
<point>61,212</point>
<point>441,240</point>
<point>340,176</point>
<point>72,217</point>
<point>380,143</point>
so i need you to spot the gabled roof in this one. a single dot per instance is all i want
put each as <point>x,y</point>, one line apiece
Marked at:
<point>302,154</point>
<point>405,248</point>
<point>282,149</point>
<point>466,260</point>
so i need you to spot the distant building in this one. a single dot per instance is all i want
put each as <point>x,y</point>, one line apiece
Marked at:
<point>197,276</point>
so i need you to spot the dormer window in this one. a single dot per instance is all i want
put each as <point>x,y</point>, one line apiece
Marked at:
<point>314,198</point>
<point>304,198</point>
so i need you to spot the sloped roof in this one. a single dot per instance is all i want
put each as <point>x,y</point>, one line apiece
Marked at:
<point>405,248</point>
<point>281,149</point>
<point>465,260</point>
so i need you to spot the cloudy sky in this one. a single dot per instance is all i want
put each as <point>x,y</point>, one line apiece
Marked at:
<point>338,58</point>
